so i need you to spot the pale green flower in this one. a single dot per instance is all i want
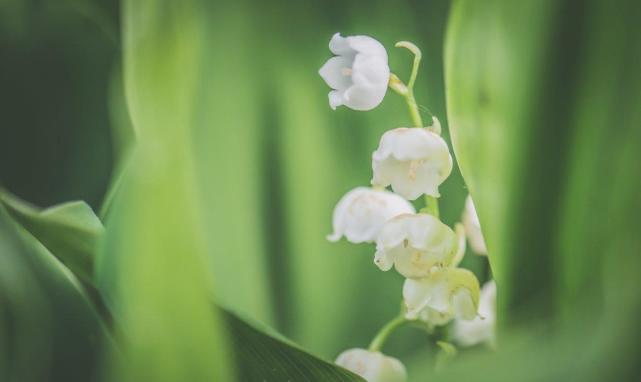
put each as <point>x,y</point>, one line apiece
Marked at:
<point>414,244</point>
<point>451,292</point>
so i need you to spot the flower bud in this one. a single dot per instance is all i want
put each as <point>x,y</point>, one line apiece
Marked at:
<point>358,74</point>
<point>373,366</point>
<point>414,244</point>
<point>414,161</point>
<point>361,213</point>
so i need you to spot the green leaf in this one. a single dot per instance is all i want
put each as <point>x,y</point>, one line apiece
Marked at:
<point>49,329</point>
<point>152,268</point>
<point>262,353</point>
<point>272,358</point>
<point>69,230</point>
<point>543,109</point>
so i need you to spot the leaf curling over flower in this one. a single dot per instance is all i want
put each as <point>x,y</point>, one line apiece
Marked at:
<point>414,161</point>
<point>358,74</point>
<point>373,366</point>
<point>482,329</point>
<point>362,212</point>
<point>414,244</point>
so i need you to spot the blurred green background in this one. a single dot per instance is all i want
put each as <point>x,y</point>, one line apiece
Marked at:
<point>240,159</point>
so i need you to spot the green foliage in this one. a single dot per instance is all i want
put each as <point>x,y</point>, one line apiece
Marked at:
<point>270,358</point>
<point>154,266</point>
<point>70,231</point>
<point>261,353</point>
<point>237,162</point>
<point>49,329</point>
<point>540,101</point>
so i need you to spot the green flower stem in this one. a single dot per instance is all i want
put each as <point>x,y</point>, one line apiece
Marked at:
<point>407,91</point>
<point>378,341</point>
<point>413,108</point>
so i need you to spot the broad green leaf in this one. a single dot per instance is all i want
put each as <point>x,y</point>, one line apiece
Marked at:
<point>69,230</point>
<point>262,353</point>
<point>48,327</point>
<point>271,358</point>
<point>543,107</point>
<point>528,119</point>
<point>152,269</point>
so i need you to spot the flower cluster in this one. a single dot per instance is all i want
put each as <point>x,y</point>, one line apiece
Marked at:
<point>413,162</point>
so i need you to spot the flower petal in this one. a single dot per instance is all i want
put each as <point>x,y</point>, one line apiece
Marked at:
<point>335,98</point>
<point>463,305</point>
<point>370,71</point>
<point>482,328</point>
<point>383,260</point>
<point>339,45</point>
<point>451,291</point>
<point>364,98</point>
<point>337,72</point>
<point>473,228</point>
<point>362,212</point>
<point>367,45</point>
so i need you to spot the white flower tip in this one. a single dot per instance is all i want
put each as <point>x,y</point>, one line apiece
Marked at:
<point>333,237</point>
<point>335,99</point>
<point>382,261</point>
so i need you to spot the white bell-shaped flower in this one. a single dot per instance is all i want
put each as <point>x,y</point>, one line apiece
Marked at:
<point>482,329</point>
<point>373,366</point>
<point>358,74</point>
<point>414,161</point>
<point>452,292</point>
<point>414,244</point>
<point>473,228</point>
<point>361,213</point>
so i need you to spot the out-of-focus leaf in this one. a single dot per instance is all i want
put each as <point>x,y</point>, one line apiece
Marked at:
<point>153,270</point>
<point>55,143</point>
<point>543,106</point>
<point>48,328</point>
<point>261,353</point>
<point>227,128</point>
<point>270,358</point>
<point>69,230</point>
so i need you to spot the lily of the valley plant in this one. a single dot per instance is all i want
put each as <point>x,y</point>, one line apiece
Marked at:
<point>413,162</point>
